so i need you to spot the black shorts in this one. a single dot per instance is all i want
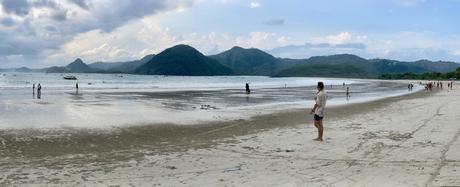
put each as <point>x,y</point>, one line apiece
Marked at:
<point>317,118</point>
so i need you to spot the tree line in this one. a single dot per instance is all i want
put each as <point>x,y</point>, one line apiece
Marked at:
<point>423,76</point>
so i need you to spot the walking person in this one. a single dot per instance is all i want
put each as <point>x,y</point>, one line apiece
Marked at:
<point>248,90</point>
<point>348,92</point>
<point>33,91</point>
<point>318,110</point>
<point>39,91</point>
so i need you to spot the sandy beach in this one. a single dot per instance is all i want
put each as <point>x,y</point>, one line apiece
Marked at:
<point>410,140</point>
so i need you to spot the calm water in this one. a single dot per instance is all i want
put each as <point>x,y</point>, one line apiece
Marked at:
<point>111,100</point>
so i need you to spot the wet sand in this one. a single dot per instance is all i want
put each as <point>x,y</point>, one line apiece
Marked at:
<point>394,137</point>
<point>164,137</point>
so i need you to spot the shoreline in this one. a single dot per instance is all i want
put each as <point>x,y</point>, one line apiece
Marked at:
<point>365,144</point>
<point>105,110</point>
<point>169,137</point>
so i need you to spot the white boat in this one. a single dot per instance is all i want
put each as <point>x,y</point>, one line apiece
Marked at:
<point>70,77</point>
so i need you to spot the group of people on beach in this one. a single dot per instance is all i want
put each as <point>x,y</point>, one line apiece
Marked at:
<point>39,90</point>
<point>429,86</point>
<point>410,87</point>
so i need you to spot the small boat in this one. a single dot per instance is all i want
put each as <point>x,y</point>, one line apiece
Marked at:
<point>70,77</point>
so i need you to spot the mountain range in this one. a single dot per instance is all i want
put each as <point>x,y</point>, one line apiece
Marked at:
<point>186,60</point>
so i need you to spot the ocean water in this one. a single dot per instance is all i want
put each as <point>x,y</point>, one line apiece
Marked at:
<point>115,100</point>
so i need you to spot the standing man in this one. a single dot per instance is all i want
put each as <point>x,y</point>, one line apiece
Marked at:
<point>318,110</point>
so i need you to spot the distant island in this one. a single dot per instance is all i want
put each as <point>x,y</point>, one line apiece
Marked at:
<point>187,61</point>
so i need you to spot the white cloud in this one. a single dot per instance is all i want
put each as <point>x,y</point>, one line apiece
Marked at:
<point>340,38</point>
<point>254,4</point>
<point>262,40</point>
<point>455,52</point>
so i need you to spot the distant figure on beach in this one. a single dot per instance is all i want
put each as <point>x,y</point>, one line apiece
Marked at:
<point>39,91</point>
<point>33,91</point>
<point>348,92</point>
<point>343,85</point>
<point>440,84</point>
<point>410,86</point>
<point>248,91</point>
<point>318,110</point>
<point>76,85</point>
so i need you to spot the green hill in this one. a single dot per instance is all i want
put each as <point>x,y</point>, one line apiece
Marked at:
<point>324,70</point>
<point>57,69</point>
<point>121,67</point>
<point>248,61</point>
<point>131,66</point>
<point>183,60</point>
<point>346,65</point>
<point>77,66</point>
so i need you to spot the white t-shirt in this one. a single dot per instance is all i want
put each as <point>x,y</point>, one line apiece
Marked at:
<point>321,102</point>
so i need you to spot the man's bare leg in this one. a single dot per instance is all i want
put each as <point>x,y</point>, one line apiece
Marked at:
<point>319,126</point>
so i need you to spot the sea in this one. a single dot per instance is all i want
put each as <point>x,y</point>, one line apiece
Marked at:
<point>117,100</point>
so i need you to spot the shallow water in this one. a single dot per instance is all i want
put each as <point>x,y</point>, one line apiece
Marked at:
<point>114,100</point>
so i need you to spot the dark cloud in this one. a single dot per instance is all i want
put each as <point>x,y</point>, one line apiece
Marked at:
<point>7,21</point>
<point>18,7</point>
<point>108,19</point>
<point>22,7</point>
<point>275,22</point>
<point>51,28</point>
<point>44,3</point>
<point>81,3</point>
<point>33,36</point>
<point>60,15</point>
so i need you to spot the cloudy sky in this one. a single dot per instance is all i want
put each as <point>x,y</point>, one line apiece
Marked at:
<point>38,33</point>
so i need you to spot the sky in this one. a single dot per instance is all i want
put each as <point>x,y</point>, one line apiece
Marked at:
<point>42,33</point>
